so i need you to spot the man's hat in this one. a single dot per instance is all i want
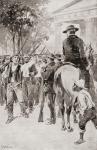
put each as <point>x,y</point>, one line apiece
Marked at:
<point>58,56</point>
<point>80,83</point>
<point>51,56</point>
<point>71,27</point>
<point>14,55</point>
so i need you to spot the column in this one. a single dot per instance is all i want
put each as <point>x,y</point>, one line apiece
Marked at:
<point>91,32</point>
<point>82,30</point>
<point>58,39</point>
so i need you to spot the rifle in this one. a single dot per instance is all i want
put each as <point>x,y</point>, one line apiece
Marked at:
<point>4,65</point>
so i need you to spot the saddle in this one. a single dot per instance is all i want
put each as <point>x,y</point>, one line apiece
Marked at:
<point>83,73</point>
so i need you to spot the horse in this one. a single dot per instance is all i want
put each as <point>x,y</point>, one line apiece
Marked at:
<point>65,77</point>
<point>64,80</point>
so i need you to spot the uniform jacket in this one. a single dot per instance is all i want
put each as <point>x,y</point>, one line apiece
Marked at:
<point>16,75</point>
<point>48,77</point>
<point>48,72</point>
<point>73,49</point>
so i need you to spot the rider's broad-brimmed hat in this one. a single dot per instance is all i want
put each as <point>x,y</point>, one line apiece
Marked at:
<point>80,83</point>
<point>71,27</point>
<point>51,56</point>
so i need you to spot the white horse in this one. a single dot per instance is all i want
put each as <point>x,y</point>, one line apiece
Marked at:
<point>65,77</point>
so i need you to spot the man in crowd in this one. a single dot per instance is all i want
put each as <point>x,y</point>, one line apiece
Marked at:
<point>38,81</point>
<point>48,80</point>
<point>73,50</point>
<point>13,73</point>
<point>28,81</point>
<point>85,107</point>
<point>58,61</point>
<point>58,64</point>
<point>5,78</point>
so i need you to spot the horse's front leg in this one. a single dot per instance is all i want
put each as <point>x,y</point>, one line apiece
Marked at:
<point>68,112</point>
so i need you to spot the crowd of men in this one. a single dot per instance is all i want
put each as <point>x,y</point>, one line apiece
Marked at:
<point>22,81</point>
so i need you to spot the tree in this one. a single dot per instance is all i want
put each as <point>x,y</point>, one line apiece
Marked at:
<point>18,19</point>
<point>21,18</point>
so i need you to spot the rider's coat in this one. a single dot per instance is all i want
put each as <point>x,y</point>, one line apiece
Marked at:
<point>73,49</point>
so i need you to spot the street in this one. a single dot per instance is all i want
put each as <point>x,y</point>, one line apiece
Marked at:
<point>28,134</point>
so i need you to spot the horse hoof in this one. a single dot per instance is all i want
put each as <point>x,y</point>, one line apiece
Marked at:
<point>70,129</point>
<point>50,121</point>
<point>63,128</point>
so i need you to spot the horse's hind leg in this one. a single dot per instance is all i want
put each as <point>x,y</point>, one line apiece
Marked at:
<point>51,105</point>
<point>68,112</point>
<point>40,119</point>
<point>62,110</point>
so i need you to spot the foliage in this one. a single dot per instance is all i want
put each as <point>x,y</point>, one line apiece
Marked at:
<point>23,19</point>
<point>18,18</point>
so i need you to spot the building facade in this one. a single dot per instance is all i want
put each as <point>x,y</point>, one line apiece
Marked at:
<point>83,14</point>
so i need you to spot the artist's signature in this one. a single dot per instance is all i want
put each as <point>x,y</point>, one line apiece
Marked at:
<point>5,147</point>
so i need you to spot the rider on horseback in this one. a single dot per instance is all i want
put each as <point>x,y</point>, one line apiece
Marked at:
<point>73,49</point>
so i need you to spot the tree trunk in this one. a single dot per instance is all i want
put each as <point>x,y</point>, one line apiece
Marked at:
<point>14,44</point>
<point>19,43</point>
